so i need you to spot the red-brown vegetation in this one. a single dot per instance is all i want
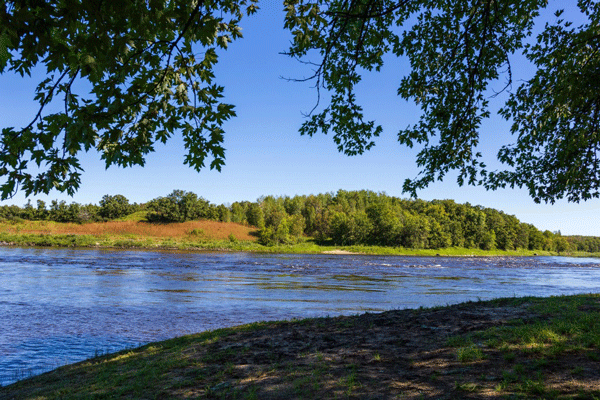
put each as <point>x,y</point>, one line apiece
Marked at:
<point>202,229</point>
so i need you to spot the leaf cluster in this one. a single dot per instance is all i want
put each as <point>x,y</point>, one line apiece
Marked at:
<point>179,206</point>
<point>146,69</point>
<point>458,52</point>
<point>556,115</point>
<point>124,76</point>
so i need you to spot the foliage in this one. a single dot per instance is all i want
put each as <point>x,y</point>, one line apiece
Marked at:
<point>179,206</point>
<point>585,243</point>
<point>288,230</point>
<point>358,218</point>
<point>458,52</point>
<point>149,68</point>
<point>117,206</point>
<point>255,215</point>
<point>556,114</point>
<point>350,229</point>
<point>224,214</point>
<point>367,218</point>
<point>74,212</point>
<point>10,212</point>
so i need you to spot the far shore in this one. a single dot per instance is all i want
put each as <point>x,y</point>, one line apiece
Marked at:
<point>210,236</point>
<point>308,247</point>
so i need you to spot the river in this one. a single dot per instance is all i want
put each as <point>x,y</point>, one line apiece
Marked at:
<point>59,306</point>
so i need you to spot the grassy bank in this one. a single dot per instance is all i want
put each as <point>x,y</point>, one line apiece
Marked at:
<point>197,236</point>
<point>546,348</point>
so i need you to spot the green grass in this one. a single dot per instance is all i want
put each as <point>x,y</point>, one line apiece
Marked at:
<point>137,216</point>
<point>469,353</point>
<point>516,360</point>
<point>564,327</point>
<point>564,330</point>
<point>195,241</point>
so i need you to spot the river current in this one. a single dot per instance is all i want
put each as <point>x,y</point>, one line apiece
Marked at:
<point>63,306</point>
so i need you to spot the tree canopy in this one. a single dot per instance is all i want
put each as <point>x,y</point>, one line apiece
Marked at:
<point>362,218</point>
<point>150,68</point>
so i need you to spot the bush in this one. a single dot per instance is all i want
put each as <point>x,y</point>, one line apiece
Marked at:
<point>180,206</point>
<point>113,207</point>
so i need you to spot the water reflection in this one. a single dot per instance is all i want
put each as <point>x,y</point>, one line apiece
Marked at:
<point>61,306</point>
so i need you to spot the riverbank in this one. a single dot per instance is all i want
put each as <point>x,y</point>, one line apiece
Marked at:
<point>507,348</point>
<point>201,236</point>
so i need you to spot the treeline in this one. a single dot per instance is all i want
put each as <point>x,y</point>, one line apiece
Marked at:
<point>368,218</point>
<point>342,218</point>
<point>110,207</point>
<point>590,244</point>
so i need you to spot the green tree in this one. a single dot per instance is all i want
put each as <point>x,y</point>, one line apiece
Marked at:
<point>387,227</point>
<point>211,212</point>
<point>415,231</point>
<point>74,213</point>
<point>456,234</point>
<point>255,215</point>
<point>41,213</point>
<point>549,243</point>
<point>296,226</point>
<point>439,237</point>
<point>58,211</point>
<point>522,241</point>
<point>89,213</point>
<point>340,229</point>
<point>148,69</point>
<point>148,73</point>
<point>63,212</point>
<point>287,231</point>
<point>460,56</point>
<point>273,210</point>
<point>180,206</point>
<point>238,212</point>
<point>265,236</point>
<point>561,244</point>
<point>294,205</point>
<point>28,212</point>
<point>351,229</point>
<point>224,213</point>
<point>112,207</point>
<point>536,238</point>
<point>316,217</point>
<point>10,212</point>
<point>495,221</point>
<point>439,224</point>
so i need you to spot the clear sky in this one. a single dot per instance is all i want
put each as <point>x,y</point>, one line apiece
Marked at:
<point>265,154</point>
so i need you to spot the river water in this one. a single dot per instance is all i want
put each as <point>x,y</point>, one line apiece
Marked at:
<point>62,306</point>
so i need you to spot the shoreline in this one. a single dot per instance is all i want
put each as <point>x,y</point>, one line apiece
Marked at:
<point>58,242</point>
<point>528,347</point>
<point>202,236</point>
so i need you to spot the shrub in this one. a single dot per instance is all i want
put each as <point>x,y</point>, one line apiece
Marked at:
<point>179,206</point>
<point>112,207</point>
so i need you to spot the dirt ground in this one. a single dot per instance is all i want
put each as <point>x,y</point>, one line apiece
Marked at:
<point>397,354</point>
<point>530,348</point>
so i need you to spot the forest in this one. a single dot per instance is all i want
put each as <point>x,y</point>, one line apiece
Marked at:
<point>342,218</point>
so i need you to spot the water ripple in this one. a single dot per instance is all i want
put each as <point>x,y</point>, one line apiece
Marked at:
<point>59,306</point>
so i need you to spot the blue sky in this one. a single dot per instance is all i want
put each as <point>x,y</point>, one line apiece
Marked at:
<point>265,154</point>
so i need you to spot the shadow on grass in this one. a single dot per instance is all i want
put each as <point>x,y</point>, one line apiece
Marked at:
<point>507,348</point>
